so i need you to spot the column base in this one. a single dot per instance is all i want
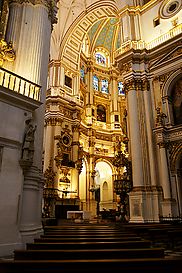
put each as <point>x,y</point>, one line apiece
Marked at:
<point>93,208</point>
<point>145,204</point>
<point>28,233</point>
<point>169,208</point>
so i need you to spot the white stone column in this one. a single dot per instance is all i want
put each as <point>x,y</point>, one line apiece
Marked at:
<point>134,129</point>
<point>149,121</point>
<point>164,171</point>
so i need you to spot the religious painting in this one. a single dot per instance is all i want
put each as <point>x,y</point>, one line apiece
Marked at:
<point>68,81</point>
<point>177,102</point>
<point>101,113</point>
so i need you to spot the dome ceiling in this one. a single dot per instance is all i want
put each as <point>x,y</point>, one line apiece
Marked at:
<point>105,33</point>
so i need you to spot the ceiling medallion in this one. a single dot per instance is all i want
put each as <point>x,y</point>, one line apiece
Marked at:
<point>170,8</point>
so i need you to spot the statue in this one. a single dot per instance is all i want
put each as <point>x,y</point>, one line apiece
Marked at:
<point>28,144</point>
<point>160,117</point>
<point>124,123</point>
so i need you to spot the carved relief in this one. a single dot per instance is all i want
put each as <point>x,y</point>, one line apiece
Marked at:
<point>160,117</point>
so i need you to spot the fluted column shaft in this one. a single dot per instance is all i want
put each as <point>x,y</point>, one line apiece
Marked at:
<point>148,116</point>
<point>164,172</point>
<point>134,130</point>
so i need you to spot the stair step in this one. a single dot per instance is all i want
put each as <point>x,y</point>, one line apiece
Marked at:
<point>89,254</point>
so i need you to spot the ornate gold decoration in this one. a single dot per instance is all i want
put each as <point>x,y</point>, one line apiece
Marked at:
<point>79,163</point>
<point>65,173</point>
<point>3,17</point>
<point>7,52</point>
<point>49,175</point>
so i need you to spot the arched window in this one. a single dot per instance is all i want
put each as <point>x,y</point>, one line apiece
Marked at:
<point>95,83</point>
<point>120,89</point>
<point>105,86</point>
<point>177,102</point>
<point>101,113</point>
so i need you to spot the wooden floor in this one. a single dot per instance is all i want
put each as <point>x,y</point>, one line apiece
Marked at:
<point>93,248</point>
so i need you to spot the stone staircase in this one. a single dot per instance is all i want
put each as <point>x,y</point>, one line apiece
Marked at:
<point>90,248</point>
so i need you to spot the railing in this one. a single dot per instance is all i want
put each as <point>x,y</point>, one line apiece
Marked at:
<point>141,44</point>
<point>164,37</point>
<point>170,219</point>
<point>19,84</point>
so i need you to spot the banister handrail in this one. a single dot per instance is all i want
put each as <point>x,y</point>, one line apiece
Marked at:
<point>16,75</point>
<point>19,84</point>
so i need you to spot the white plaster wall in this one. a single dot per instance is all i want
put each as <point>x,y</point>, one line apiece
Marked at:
<point>149,32</point>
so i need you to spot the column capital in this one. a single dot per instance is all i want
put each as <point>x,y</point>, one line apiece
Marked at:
<point>136,84</point>
<point>51,6</point>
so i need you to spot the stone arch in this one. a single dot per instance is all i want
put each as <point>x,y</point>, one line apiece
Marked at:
<point>105,171</point>
<point>176,155</point>
<point>106,161</point>
<point>166,95</point>
<point>71,44</point>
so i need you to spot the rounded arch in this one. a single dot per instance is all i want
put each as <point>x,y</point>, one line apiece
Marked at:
<point>106,161</point>
<point>171,80</point>
<point>176,157</point>
<point>167,98</point>
<point>72,42</point>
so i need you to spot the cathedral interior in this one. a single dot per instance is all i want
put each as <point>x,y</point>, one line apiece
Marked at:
<point>91,114</point>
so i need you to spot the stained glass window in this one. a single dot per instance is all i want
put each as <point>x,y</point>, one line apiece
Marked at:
<point>120,88</point>
<point>100,59</point>
<point>95,83</point>
<point>105,86</point>
<point>82,74</point>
